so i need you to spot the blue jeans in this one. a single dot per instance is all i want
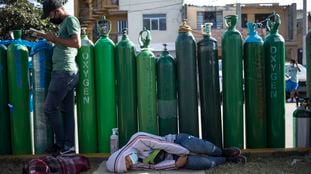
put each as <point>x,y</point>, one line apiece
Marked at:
<point>291,86</point>
<point>203,154</point>
<point>59,106</point>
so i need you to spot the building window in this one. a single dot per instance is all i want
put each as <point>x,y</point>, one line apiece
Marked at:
<point>244,20</point>
<point>122,24</point>
<point>115,2</point>
<point>261,18</point>
<point>155,21</point>
<point>214,17</point>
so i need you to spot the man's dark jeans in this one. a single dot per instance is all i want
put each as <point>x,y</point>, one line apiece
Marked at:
<point>59,106</point>
<point>203,154</point>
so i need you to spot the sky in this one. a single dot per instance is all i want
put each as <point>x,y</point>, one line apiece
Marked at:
<point>221,2</point>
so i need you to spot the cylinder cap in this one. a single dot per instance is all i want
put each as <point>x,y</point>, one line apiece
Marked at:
<point>207,29</point>
<point>124,31</point>
<point>251,28</point>
<point>83,30</point>
<point>103,26</point>
<point>184,27</point>
<point>165,46</point>
<point>17,34</point>
<point>144,40</point>
<point>231,21</point>
<point>273,26</point>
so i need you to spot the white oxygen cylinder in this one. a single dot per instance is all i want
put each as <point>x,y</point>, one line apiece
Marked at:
<point>114,140</point>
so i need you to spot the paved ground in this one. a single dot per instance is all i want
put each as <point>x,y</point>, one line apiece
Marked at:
<point>274,161</point>
<point>290,108</point>
<point>269,163</point>
<point>254,165</point>
<point>260,165</point>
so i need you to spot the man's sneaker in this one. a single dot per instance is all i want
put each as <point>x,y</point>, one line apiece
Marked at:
<point>68,150</point>
<point>231,152</point>
<point>237,159</point>
<point>53,150</point>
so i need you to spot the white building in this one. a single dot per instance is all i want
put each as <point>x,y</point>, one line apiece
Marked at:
<point>161,17</point>
<point>69,6</point>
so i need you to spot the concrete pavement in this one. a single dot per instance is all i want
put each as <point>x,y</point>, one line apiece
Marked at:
<point>289,109</point>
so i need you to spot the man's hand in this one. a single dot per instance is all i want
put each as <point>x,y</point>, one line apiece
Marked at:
<point>74,41</point>
<point>181,161</point>
<point>48,36</point>
<point>297,66</point>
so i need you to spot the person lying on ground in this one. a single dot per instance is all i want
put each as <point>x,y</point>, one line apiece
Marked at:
<point>147,151</point>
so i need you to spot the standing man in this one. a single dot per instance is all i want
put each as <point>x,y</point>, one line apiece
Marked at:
<point>59,104</point>
<point>292,80</point>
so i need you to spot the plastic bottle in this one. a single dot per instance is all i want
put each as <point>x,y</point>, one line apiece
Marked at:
<point>114,140</point>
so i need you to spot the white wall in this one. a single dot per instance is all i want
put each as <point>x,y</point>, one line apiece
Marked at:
<point>69,7</point>
<point>136,9</point>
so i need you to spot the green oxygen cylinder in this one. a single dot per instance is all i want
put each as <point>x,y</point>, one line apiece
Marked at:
<point>42,68</point>
<point>105,85</point>
<point>126,89</point>
<point>274,48</point>
<point>86,97</point>
<point>209,87</point>
<point>146,86</point>
<point>255,100</point>
<point>167,94</point>
<point>232,52</point>
<point>187,81</point>
<point>5,136</point>
<point>19,100</point>
<point>308,59</point>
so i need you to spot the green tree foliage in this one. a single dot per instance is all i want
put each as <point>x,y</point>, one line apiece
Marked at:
<point>20,14</point>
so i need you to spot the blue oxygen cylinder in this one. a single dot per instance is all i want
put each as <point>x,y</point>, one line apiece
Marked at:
<point>42,67</point>
<point>255,97</point>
